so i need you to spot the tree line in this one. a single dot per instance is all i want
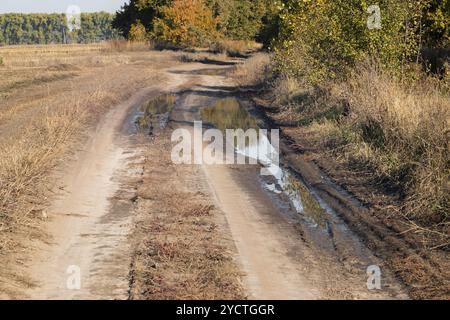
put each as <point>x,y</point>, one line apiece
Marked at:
<point>16,28</point>
<point>328,35</point>
<point>195,22</point>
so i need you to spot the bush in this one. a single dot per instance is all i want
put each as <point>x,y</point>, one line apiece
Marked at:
<point>341,36</point>
<point>403,128</point>
<point>138,33</point>
<point>186,22</point>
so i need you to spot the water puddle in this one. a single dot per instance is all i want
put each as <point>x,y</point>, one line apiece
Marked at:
<point>228,114</point>
<point>154,114</point>
<point>301,198</point>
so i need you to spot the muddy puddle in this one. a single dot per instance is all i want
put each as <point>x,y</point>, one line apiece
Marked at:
<point>300,202</point>
<point>228,114</point>
<point>205,72</point>
<point>154,115</point>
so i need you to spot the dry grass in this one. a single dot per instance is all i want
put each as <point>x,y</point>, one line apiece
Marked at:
<point>202,57</point>
<point>402,130</point>
<point>396,130</point>
<point>50,95</point>
<point>253,71</point>
<point>235,48</point>
<point>124,45</point>
<point>181,250</point>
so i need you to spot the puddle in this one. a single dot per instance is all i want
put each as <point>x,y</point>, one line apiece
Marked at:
<point>304,203</point>
<point>228,114</point>
<point>154,114</point>
<point>205,72</point>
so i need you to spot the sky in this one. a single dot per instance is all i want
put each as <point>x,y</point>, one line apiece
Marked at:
<point>60,6</point>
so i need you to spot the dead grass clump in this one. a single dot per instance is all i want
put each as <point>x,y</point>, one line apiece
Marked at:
<point>125,45</point>
<point>403,131</point>
<point>201,57</point>
<point>235,48</point>
<point>26,161</point>
<point>254,71</point>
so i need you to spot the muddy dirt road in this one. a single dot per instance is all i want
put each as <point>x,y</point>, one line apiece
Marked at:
<point>281,255</point>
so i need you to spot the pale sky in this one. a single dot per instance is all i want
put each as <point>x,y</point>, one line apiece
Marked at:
<point>60,6</point>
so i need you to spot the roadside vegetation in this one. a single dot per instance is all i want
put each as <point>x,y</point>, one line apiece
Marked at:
<point>49,97</point>
<point>369,96</point>
<point>372,107</point>
<point>369,86</point>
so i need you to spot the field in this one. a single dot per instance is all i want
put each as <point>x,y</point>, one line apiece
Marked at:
<point>49,96</point>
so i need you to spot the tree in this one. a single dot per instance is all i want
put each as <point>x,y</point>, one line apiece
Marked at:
<point>186,22</point>
<point>146,11</point>
<point>437,23</point>
<point>52,28</point>
<point>323,39</point>
<point>138,32</point>
<point>233,19</point>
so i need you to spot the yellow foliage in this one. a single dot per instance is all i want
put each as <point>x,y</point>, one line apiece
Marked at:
<point>138,32</point>
<point>187,22</point>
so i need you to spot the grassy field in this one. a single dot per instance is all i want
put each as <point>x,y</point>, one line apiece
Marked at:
<point>49,96</point>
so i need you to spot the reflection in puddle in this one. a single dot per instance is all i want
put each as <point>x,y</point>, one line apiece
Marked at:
<point>229,114</point>
<point>155,113</point>
<point>300,197</point>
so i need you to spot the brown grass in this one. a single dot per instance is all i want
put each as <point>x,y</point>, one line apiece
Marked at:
<point>50,95</point>
<point>124,45</point>
<point>254,71</point>
<point>402,130</point>
<point>396,129</point>
<point>235,48</point>
<point>181,250</point>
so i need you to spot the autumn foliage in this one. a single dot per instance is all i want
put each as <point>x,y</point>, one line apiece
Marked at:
<point>187,22</point>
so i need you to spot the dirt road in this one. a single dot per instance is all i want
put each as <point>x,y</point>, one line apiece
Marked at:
<point>90,221</point>
<point>91,217</point>
<point>282,257</point>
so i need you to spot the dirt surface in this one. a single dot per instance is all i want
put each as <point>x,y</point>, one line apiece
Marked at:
<point>135,235</point>
<point>371,212</point>
<point>279,258</point>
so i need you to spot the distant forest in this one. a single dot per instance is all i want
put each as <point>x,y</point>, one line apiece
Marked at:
<point>18,28</point>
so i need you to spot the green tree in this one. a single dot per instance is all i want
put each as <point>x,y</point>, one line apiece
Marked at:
<point>145,11</point>
<point>437,23</point>
<point>322,39</point>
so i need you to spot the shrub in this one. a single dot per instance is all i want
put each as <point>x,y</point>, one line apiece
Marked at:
<point>186,22</point>
<point>341,36</point>
<point>405,128</point>
<point>138,33</point>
